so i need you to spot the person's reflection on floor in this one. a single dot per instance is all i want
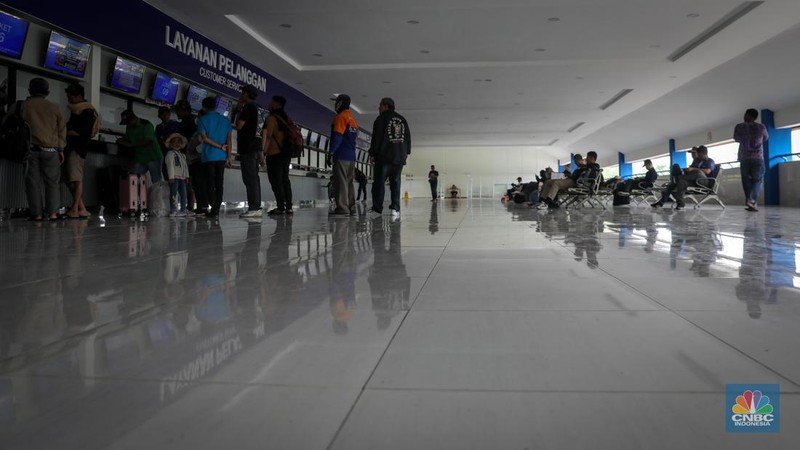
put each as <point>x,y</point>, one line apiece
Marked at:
<point>389,283</point>
<point>76,305</point>
<point>342,276</point>
<point>582,233</point>
<point>752,289</point>
<point>433,223</point>
<point>698,235</point>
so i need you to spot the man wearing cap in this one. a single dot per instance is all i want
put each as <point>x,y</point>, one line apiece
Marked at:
<point>167,127</point>
<point>389,150</point>
<point>48,139</point>
<point>249,148</point>
<point>140,135</point>
<point>343,152</point>
<point>83,124</point>
<point>552,187</point>
<point>702,166</point>
<point>641,182</point>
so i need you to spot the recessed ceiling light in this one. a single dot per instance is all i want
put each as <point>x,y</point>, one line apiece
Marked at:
<point>387,82</point>
<point>655,46</point>
<point>520,93</point>
<point>318,55</point>
<point>477,79</point>
<point>286,25</point>
<point>516,103</point>
<point>541,50</point>
<point>364,95</point>
<point>425,51</point>
<point>673,76</point>
<point>578,78</point>
<point>299,83</point>
<point>488,80</point>
<point>692,15</point>
<point>554,19</point>
<point>413,22</point>
<point>443,104</point>
<point>440,94</point>
<point>485,118</point>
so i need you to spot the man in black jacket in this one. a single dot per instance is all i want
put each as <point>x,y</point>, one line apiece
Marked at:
<point>389,150</point>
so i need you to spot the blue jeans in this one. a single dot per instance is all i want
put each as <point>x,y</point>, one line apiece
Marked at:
<point>153,167</point>
<point>752,177</point>
<point>177,190</point>
<point>392,172</point>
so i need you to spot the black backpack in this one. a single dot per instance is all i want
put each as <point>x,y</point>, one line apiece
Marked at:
<point>15,136</point>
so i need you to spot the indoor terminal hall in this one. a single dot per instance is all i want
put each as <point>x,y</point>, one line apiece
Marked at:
<point>450,224</point>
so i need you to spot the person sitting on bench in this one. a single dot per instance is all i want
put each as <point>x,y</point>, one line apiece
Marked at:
<point>645,182</point>
<point>702,166</point>
<point>552,187</point>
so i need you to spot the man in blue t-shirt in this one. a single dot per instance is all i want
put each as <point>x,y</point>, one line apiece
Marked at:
<point>702,167</point>
<point>215,153</point>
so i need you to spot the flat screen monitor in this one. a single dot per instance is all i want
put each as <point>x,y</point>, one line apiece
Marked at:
<point>67,55</point>
<point>127,76</point>
<point>13,31</point>
<point>195,95</point>
<point>165,89</point>
<point>223,106</point>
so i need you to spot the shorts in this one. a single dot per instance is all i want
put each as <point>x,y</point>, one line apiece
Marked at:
<point>73,167</point>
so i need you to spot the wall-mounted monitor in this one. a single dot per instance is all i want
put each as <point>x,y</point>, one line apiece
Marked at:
<point>67,55</point>
<point>127,76</point>
<point>165,88</point>
<point>13,31</point>
<point>195,96</point>
<point>223,105</point>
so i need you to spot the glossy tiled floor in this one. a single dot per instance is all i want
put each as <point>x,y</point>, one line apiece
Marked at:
<point>463,325</point>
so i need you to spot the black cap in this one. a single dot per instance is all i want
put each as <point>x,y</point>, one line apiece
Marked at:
<point>251,91</point>
<point>39,86</point>
<point>647,161</point>
<point>126,116</point>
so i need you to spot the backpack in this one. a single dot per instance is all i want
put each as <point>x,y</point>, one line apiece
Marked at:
<point>15,136</point>
<point>294,143</point>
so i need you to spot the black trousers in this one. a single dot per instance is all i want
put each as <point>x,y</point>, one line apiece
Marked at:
<point>252,183</point>
<point>434,185</point>
<point>197,172</point>
<point>278,174</point>
<point>215,180</point>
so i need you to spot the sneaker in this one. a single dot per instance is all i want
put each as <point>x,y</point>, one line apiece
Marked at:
<point>395,214</point>
<point>657,205</point>
<point>251,214</point>
<point>339,213</point>
<point>276,212</point>
<point>289,212</point>
<point>213,213</point>
<point>679,207</point>
<point>188,213</point>
<point>372,214</point>
<point>174,214</point>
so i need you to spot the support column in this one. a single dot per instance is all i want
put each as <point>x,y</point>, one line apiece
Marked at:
<point>676,157</point>
<point>780,143</point>
<point>625,169</point>
<point>95,77</point>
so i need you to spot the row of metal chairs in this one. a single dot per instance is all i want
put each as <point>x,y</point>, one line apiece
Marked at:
<point>588,192</point>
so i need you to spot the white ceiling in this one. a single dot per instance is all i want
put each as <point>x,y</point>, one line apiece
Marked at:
<point>545,75</point>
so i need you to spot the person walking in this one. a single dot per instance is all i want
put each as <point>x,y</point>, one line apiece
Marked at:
<point>433,179</point>
<point>249,149</point>
<point>361,179</point>
<point>215,138</point>
<point>83,125</point>
<point>140,135</point>
<point>389,150</point>
<point>751,136</point>
<point>343,153</point>
<point>48,140</point>
<point>273,138</point>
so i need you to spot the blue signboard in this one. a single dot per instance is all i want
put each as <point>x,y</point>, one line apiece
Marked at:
<point>138,29</point>
<point>12,35</point>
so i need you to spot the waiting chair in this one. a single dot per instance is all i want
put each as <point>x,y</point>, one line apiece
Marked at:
<point>705,190</point>
<point>585,192</point>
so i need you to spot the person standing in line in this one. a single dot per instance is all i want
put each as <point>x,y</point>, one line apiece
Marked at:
<point>273,137</point>
<point>751,136</point>
<point>343,152</point>
<point>48,139</point>
<point>187,127</point>
<point>249,149</point>
<point>177,174</point>
<point>433,179</point>
<point>167,127</point>
<point>215,138</point>
<point>141,137</point>
<point>389,150</point>
<point>361,179</point>
<point>83,124</point>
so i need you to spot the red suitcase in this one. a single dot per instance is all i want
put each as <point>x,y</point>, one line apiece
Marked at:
<point>132,193</point>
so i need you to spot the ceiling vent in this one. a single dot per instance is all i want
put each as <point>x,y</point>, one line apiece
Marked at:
<point>615,99</point>
<point>576,126</point>
<point>736,14</point>
<point>553,142</point>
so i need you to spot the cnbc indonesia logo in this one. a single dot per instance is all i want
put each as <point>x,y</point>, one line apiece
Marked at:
<point>752,411</point>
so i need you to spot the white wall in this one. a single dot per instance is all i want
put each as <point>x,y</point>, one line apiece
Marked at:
<point>479,167</point>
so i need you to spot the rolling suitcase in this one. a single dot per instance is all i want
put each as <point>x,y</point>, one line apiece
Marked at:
<point>132,193</point>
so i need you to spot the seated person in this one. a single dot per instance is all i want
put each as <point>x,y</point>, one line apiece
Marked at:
<point>454,191</point>
<point>589,169</point>
<point>702,166</point>
<point>568,170</point>
<point>514,187</point>
<point>544,175</point>
<point>640,182</point>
